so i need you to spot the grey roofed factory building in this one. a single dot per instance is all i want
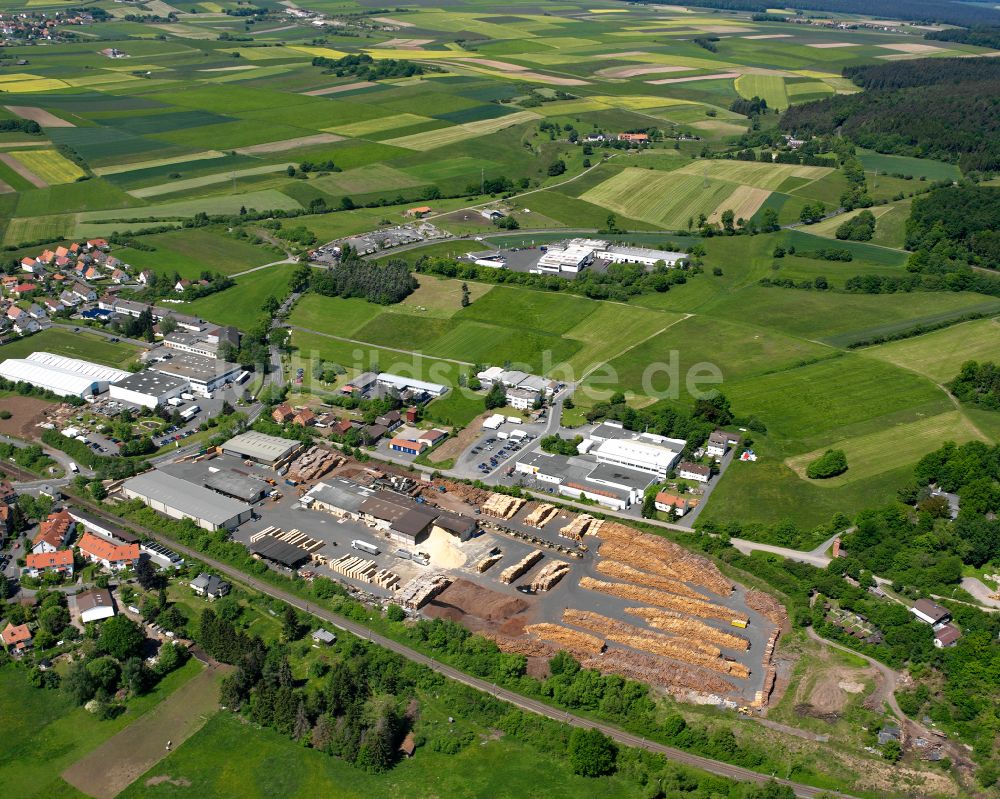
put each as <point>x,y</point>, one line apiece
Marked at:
<point>148,388</point>
<point>281,552</point>
<point>338,496</point>
<point>180,499</point>
<point>204,374</point>
<point>236,486</point>
<point>262,448</point>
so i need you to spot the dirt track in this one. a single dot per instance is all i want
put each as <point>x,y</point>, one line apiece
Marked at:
<point>121,760</point>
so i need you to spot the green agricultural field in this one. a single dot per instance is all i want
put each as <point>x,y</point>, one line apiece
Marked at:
<point>62,341</point>
<point>45,726</point>
<point>529,310</point>
<point>341,317</point>
<point>241,304</point>
<point>939,355</point>
<point>768,87</point>
<point>192,251</point>
<point>49,165</point>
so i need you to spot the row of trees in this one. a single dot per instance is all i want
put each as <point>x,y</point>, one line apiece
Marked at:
<point>385,284</point>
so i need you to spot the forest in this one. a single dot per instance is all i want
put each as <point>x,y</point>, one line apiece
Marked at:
<point>384,284</point>
<point>365,67</point>
<point>978,384</point>
<point>890,116</point>
<point>959,220</point>
<point>978,36</point>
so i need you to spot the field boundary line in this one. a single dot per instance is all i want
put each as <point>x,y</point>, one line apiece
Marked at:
<point>594,368</point>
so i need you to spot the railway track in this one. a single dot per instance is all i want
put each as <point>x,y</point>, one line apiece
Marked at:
<point>709,765</point>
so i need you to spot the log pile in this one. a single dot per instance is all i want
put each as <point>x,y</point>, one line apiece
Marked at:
<point>615,568</point>
<point>313,464</point>
<point>683,565</point>
<point>654,670</point>
<point>470,494</point>
<point>685,650</point>
<point>521,645</point>
<point>689,628</point>
<point>652,596</point>
<point>580,526</point>
<point>501,506</point>
<point>421,590</point>
<point>487,562</point>
<point>365,571</point>
<point>767,606</point>
<point>541,515</point>
<point>550,574</point>
<point>511,573</point>
<point>573,641</point>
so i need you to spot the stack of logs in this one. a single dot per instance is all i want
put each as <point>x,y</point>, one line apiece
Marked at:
<point>694,607</point>
<point>678,624</point>
<point>501,506</point>
<point>580,526</point>
<point>487,562</point>
<point>615,568</point>
<point>541,515</point>
<point>573,641</point>
<point>551,573</point>
<point>511,573</point>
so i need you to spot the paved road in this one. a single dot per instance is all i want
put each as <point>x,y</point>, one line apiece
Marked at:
<point>265,266</point>
<point>817,556</point>
<point>531,705</point>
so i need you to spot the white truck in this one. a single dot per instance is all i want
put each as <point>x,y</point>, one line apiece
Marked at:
<point>73,468</point>
<point>190,412</point>
<point>187,395</point>
<point>175,401</point>
<point>364,546</point>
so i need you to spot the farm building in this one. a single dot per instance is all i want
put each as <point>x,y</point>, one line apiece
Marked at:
<point>180,499</point>
<point>147,389</point>
<point>95,605</point>
<point>270,450</point>
<point>67,377</point>
<point>930,612</point>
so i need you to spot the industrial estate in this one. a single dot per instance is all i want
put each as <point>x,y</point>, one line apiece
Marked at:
<point>462,400</point>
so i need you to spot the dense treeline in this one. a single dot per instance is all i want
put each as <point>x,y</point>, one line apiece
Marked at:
<point>859,228</point>
<point>978,384</point>
<point>960,222</point>
<point>951,11</point>
<point>367,68</point>
<point>385,284</point>
<point>20,126</point>
<point>891,114</point>
<point>979,36</point>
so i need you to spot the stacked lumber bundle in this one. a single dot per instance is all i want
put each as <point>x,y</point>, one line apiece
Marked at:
<point>365,571</point>
<point>541,515</point>
<point>314,463</point>
<point>658,671</point>
<point>573,641</point>
<point>760,698</point>
<point>580,526</point>
<point>489,560</point>
<point>651,596</point>
<point>421,590</point>
<point>511,573</point>
<point>686,650</point>
<point>767,606</point>
<point>615,568</point>
<point>551,573</point>
<point>520,645</point>
<point>645,549</point>
<point>689,628</point>
<point>503,507</point>
<point>386,579</point>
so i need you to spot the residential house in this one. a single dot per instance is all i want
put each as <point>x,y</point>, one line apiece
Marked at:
<point>109,554</point>
<point>62,262</point>
<point>53,533</point>
<point>118,276</point>
<point>181,286</point>
<point>23,288</point>
<point>31,266</point>
<point>84,292</point>
<point>91,273</point>
<point>95,605</point>
<point>390,420</point>
<point>373,432</point>
<point>324,637</point>
<point>930,612</point>
<point>946,635</point>
<point>16,637</point>
<point>634,137</point>
<point>62,252</point>
<point>97,244</point>
<point>53,306</point>
<point>209,586</point>
<point>694,471</point>
<point>46,257</point>
<point>283,413</point>
<point>666,502</point>
<point>60,562</point>
<point>342,428</point>
<point>304,418</point>
<point>36,311</point>
<point>24,324</point>
<point>145,277</point>
<point>69,299</point>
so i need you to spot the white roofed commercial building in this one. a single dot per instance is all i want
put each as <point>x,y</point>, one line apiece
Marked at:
<point>657,458</point>
<point>401,384</point>
<point>67,377</point>
<point>147,388</point>
<point>572,256</point>
<point>617,254</point>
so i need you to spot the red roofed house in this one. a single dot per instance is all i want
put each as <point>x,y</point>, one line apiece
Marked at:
<point>24,288</point>
<point>46,257</point>
<point>53,533</point>
<point>61,252</point>
<point>283,413</point>
<point>18,637</point>
<point>671,503</point>
<point>633,137</point>
<point>342,427</point>
<point>29,265</point>
<point>107,553</point>
<point>419,212</point>
<point>97,244</point>
<point>304,418</point>
<point>60,562</point>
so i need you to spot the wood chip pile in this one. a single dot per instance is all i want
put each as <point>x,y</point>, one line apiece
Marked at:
<point>682,564</point>
<point>686,650</point>
<point>689,628</point>
<point>580,526</point>
<point>421,590</point>
<point>487,562</point>
<point>573,641</point>
<point>767,606</point>
<point>615,568</point>
<point>511,573</point>
<point>541,515</point>
<point>501,506</point>
<point>651,596</point>
<point>550,574</point>
<point>470,494</point>
<point>659,671</point>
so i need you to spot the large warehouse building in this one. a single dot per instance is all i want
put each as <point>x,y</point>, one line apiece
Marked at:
<point>67,377</point>
<point>180,499</point>
<point>270,450</point>
<point>148,388</point>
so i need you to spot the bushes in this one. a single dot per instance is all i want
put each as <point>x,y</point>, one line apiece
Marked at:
<point>860,228</point>
<point>829,464</point>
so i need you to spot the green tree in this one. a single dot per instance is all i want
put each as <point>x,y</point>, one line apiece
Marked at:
<point>591,752</point>
<point>120,637</point>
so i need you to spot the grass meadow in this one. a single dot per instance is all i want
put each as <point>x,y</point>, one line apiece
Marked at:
<point>60,341</point>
